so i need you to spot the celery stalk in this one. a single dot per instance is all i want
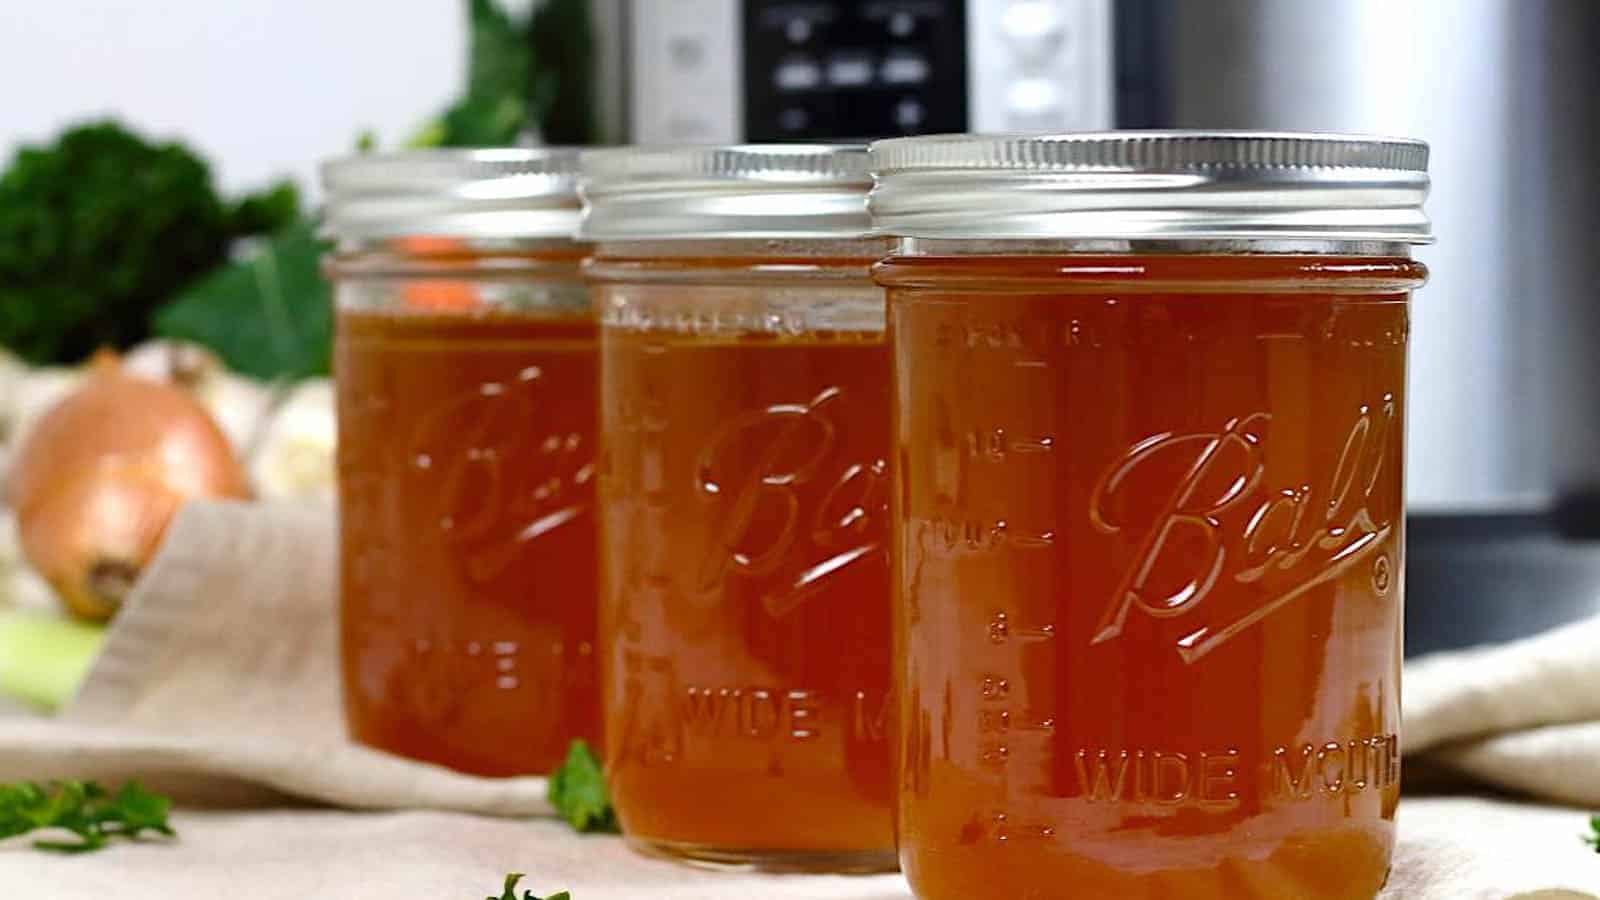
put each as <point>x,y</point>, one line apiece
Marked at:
<point>43,658</point>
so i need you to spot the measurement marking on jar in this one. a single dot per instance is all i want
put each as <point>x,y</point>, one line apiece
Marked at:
<point>951,537</point>
<point>1000,827</point>
<point>995,687</point>
<point>996,444</point>
<point>1006,727</point>
<point>1001,720</point>
<point>1002,630</point>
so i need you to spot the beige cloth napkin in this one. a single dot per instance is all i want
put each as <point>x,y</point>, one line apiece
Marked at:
<point>1524,716</point>
<point>218,685</point>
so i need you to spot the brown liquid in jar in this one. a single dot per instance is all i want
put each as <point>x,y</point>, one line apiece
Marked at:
<point>466,454</point>
<point>1148,589</point>
<point>745,625</point>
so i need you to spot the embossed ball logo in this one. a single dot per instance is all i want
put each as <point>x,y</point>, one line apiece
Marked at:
<point>1221,522</point>
<point>776,476</point>
<point>517,467</point>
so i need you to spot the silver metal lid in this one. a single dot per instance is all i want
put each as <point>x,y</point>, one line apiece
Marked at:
<point>1131,185</point>
<point>769,191</point>
<point>482,194</point>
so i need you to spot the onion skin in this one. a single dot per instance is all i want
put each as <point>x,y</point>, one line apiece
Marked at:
<point>241,406</point>
<point>100,476</point>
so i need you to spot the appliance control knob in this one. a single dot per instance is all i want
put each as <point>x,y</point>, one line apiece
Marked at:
<point>687,51</point>
<point>909,113</point>
<point>794,119</point>
<point>1032,97</point>
<point>687,127</point>
<point>1035,30</point>
<point>904,67</point>
<point>797,74</point>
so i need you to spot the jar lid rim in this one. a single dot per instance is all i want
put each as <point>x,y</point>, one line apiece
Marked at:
<point>766,191</point>
<point>472,193</point>
<point>1150,149</point>
<point>1153,184</point>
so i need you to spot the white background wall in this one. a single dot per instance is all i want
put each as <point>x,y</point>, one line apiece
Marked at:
<point>262,88</point>
<point>268,87</point>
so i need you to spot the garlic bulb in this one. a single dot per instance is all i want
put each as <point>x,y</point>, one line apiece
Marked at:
<point>20,586</point>
<point>295,456</point>
<point>240,406</point>
<point>182,363</point>
<point>12,371</point>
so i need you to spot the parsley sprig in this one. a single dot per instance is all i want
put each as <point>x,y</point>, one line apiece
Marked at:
<point>1593,837</point>
<point>511,891</point>
<point>578,791</point>
<point>83,808</point>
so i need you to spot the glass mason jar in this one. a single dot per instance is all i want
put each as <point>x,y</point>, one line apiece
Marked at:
<point>1149,414</point>
<point>465,361</point>
<point>743,491</point>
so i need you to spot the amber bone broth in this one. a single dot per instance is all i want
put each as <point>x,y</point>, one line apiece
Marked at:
<point>1148,520</point>
<point>465,361</point>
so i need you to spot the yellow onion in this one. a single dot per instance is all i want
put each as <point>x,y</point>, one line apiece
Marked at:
<point>240,406</point>
<point>100,476</point>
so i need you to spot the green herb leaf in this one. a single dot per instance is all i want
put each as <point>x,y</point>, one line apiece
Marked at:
<point>501,57</point>
<point>561,34</point>
<point>1593,837</point>
<point>484,121</point>
<point>268,315</point>
<point>511,887</point>
<point>496,108</point>
<point>511,891</point>
<point>267,211</point>
<point>85,810</point>
<point>578,791</point>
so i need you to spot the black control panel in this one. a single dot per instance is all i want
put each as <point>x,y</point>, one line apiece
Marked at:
<point>842,69</point>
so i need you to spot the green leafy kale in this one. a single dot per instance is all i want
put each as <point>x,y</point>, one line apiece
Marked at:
<point>511,891</point>
<point>1593,837</point>
<point>496,108</point>
<point>562,37</point>
<point>526,78</point>
<point>265,212</point>
<point>84,809</point>
<point>578,791</point>
<point>268,315</point>
<point>100,228</point>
